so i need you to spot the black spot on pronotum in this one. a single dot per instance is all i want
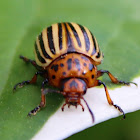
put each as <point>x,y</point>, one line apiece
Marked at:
<point>85,58</point>
<point>52,67</point>
<point>73,84</point>
<point>69,62</point>
<point>77,62</point>
<point>92,76</point>
<point>64,73</point>
<point>91,66</point>
<point>61,65</point>
<point>53,77</point>
<point>55,67</point>
<point>85,64</point>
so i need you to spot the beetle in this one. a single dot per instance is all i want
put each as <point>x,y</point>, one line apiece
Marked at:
<point>66,56</point>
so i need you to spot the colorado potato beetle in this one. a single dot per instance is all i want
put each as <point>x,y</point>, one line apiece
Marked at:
<point>66,56</point>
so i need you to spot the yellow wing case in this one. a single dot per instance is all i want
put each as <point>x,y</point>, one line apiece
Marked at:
<point>62,38</point>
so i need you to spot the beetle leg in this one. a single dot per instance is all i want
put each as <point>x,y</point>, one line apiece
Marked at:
<point>113,79</point>
<point>43,99</point>
<point>41,105</point>
<point>68,105</point>
<point>98,83</point>
<point>33,80</point>
<point>81,106</point>
<point>28,60</point>
<point>63,106</point>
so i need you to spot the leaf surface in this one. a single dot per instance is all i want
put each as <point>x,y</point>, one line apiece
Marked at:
<point>116,25</point>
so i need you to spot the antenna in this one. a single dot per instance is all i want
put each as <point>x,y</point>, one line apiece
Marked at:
<point>89,110</point>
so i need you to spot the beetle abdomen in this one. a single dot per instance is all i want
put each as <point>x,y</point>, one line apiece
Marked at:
<point>62,38</point>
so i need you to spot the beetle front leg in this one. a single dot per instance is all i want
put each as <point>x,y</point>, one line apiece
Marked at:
<point>113,79</point>
<point>41,105</point>
<point>43,100</point>
<point>98,83</point>
<point>33,80</point>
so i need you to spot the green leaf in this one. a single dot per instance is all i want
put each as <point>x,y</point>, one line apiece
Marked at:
<point>116,25</point>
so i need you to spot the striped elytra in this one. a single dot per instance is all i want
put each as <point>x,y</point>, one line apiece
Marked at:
<point>63,38</point>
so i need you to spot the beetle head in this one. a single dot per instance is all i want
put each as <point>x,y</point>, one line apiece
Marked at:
<point>73,99</point>
<point>73,91</point>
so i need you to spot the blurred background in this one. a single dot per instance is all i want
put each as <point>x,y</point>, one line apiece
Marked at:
<point>116,25</point>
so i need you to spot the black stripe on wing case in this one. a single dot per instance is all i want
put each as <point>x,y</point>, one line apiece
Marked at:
<point>60,35</point>
<point>42,47</point>
<point>75,34</point>
<point>94,43</point>
<point>69,41</point>
<point>38,55</point>
<point>87,42</point>
<point>50,39</point>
